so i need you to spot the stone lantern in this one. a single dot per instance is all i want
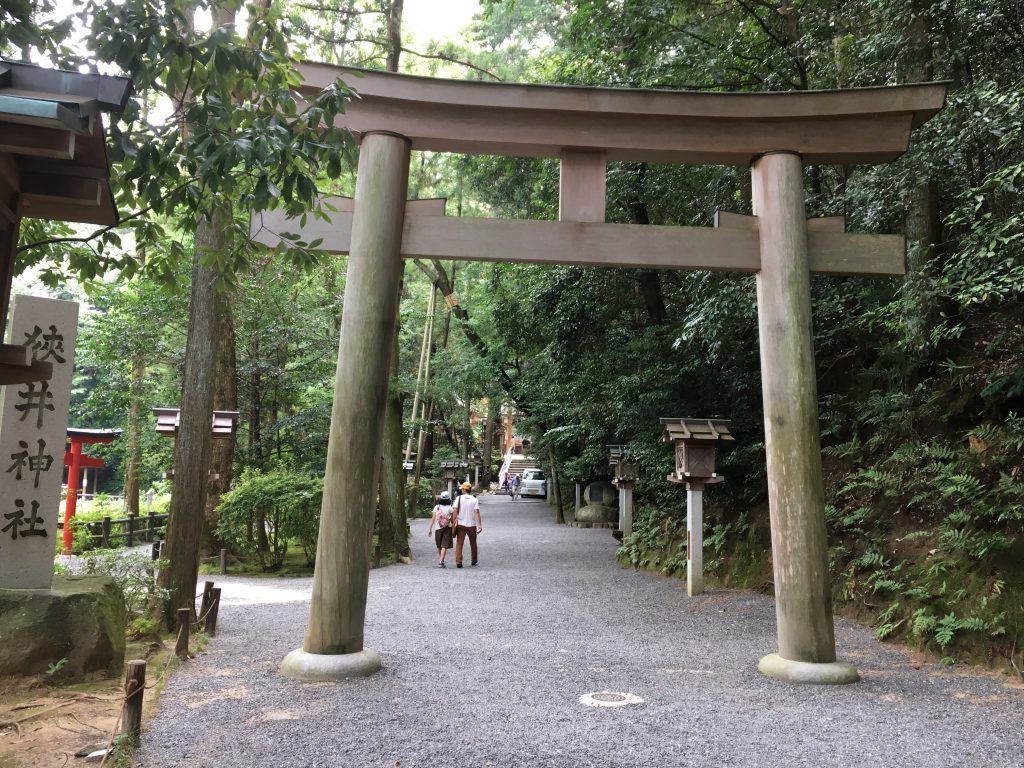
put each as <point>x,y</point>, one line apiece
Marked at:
<point>450,470</point>
<point>695,441</point>
<point>627,472</point>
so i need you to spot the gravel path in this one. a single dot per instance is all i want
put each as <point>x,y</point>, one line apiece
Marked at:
<point>485,666</point>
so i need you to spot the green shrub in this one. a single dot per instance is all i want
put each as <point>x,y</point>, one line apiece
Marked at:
<point>134,573</point>
<point>85,525</point>
<point>265,511</point>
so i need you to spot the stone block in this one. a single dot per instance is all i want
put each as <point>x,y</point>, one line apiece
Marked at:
<point>80,618</point>
<point>597,515</point>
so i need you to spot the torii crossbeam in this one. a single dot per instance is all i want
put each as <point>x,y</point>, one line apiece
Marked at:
<point>774,133</point>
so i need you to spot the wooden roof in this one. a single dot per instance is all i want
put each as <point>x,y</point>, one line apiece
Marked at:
<point>857,125</point>
<point>53,157</point>
<point>169,419</point>
<point>695,429</point>
<point>93,435</point>
<point>616,453</point>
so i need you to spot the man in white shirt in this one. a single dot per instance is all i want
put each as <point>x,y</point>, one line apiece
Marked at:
<point>468,523</point>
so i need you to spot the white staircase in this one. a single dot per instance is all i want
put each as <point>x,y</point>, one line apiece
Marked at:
<point>514,464</point>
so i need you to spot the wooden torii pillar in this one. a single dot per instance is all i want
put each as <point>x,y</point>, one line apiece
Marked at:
<point>776,134</point>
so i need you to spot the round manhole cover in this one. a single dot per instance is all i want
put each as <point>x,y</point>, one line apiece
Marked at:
<point>609,699</point>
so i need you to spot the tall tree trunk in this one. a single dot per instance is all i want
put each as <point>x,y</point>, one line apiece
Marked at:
<point>391,524</point>
<point>923,221</point>
<point>192,445</point>
<point>134,467</point>
<point>225,398</point>
<point>554,489</point>
<point>493,415</point>
<point>649,289</point>
<point>255,441</point>
<point>394,23</point>
<point>421,452</point>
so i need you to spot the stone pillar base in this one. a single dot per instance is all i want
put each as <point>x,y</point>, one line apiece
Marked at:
<point>81,620</point>
<point>329,667</point>
<point>834,673</point>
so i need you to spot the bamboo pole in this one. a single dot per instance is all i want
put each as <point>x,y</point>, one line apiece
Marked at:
<point>424,357</point>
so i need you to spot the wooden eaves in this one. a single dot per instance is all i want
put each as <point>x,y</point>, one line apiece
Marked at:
<point>53,165</point>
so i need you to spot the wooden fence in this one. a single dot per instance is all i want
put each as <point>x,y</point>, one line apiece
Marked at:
<point>132,529</point>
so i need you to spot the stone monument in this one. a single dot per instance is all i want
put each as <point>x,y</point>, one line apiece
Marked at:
<point>46,619</point>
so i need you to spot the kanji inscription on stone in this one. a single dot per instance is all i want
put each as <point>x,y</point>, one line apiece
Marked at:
<point>22,523</point>
<point>30,399</point>
<point>33,432</point>
<point>32,463</point>
<point>46,346</point>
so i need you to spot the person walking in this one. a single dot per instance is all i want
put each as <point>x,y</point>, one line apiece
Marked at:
<point>442,517</point>
<point>467,523</point>
<point>516,482</point>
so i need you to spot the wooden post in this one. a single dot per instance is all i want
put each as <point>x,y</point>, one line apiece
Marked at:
<point>626,495</point>
<point>622,512</point>
<point>156,550</point>
<point>581,185</point>
<point>223,562</point>
<point>204,605</point>
<point>134,687</point>
<point>211,615</point>
<point>181,643</point>
<point>130,535</point>
<point>694,538</point>
<point>151,525</point>
<point>579,497</point>
<point>338,605</point>
<point>789,391</point>
<point>105,535</point>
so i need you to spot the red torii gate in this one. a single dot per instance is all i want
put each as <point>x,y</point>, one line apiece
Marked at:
<point>75,460</point>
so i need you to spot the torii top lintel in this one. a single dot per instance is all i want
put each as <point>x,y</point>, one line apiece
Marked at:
<point>856,125</point>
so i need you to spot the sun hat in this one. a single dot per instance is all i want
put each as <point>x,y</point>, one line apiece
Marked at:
<point>445,496</point>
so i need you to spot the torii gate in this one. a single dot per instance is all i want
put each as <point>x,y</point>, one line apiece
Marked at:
<point>776,134</point>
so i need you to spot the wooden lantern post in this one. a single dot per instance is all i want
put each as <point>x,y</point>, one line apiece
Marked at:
<point>223,426</point>
<point>627,472</point>
<point>694,441</point>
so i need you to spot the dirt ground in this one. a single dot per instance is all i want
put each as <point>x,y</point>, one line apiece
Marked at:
<point>44,723</point>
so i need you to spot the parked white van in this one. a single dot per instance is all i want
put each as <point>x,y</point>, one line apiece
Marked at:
<point>534,484</point>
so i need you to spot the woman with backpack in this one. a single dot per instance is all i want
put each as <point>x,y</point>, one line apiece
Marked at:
<point>442,516</point>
